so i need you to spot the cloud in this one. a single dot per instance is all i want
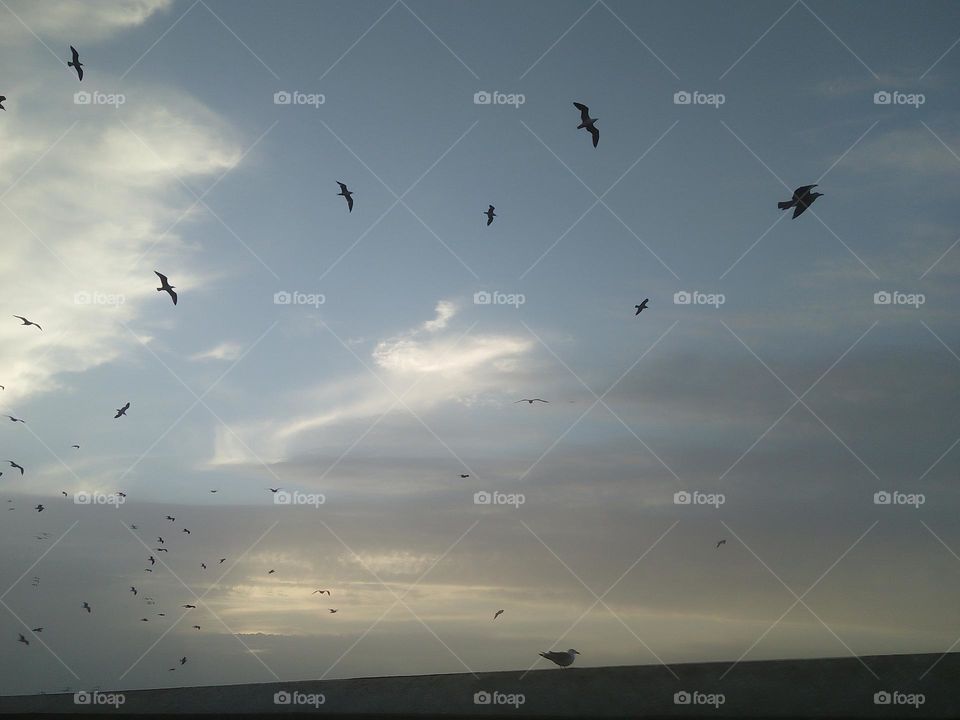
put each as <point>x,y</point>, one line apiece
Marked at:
<point>74,21</point>
<point>223,351</point>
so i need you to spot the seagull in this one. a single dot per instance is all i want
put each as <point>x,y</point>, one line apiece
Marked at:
<point>144,620</point>
<point>64,493</point>
<point>196,627</point>
<point>183,661</point>
<point>14,465</point>
<point>490,214</point>
<point>161,550</point>
<point>133,590</point>
<point>213,491</point>
<point>332,610</point>
<point>165,285</point>
<point>23,639</point>
<point>75,63</point>
<point>320,591</point>
<point>152,560</point>
<point>147,570</point>
<point>203,565</point>
<point>721,542</point>
<point>348,194</point>
<point>531,401</point>
<point>221,561</point>
<point>189,607</point>
<point>86,606</point>
<point>587,122</point>
<point>186,531</point>
<point>497,614</point>
<point>13,419</point>
<point>122,411</point>
<point>642,306</point>
<point>464,476</point>
<point>75,446</point>
<point>160,540</point>
<point>271,572</point>
<point>802,199</point>
<point>39,508</point>
<point>39,629</point>
<point>133,527</point>
<point>274,490</point>
<point>563,659</point>
<point>2,98</point>
<point>27,322</point>
<point>171,519</point>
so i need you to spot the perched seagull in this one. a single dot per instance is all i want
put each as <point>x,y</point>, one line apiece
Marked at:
<point>587,122</point>
<point>497,614</point>
<point>75,63</point>
<point>13,419</point>
<point>464,476</point>
<point>86,606</point>
<point>320,591</point>
<point>332,610</point>
<point>133,590</point>
<point>348,194</point>
<point>122,411</point>
<point>166,286</point>
<point>14,465</point>
<point>171,519</point>
<point>721,542</point>
<point>642,306</point>
<point>802,199</point>
<point>39,508</point>
<point>23,639</point>
<point>563,659</point>
<point>189,607</point>
<point>27,322</point>
<point>2,98</point>
<point>531,401</point>
<point>490,215</point>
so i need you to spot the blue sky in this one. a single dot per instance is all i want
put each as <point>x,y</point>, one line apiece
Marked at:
<point>796,396</point>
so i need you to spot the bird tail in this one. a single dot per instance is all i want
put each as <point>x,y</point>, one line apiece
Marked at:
<point>785,205</point>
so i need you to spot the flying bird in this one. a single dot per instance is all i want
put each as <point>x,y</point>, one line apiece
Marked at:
<point>166,286</point>
<point>641,307</point>
<point>152,560</point>
<point>171,519</point>
<point>39,629</point>
<point>348,194</point>
<point>2,98</point>
<point>213,491</point>
<point>75,446</point>
<point>332,610</point>
<point>86,606</point>
<point>13,419</point>
<point>160,540</point>
<point>133,527</point>
<point>196,627</point>
<point>23,639</point>
<point>274,490</point>
<point>186,531</point>
<point>721,542</point>
<point>189,607</point>
<point>497,614</point>
<point>490,215</point>
<point>39,508</point>
<point>14,465</point>
<point>320,591</point>
<point>221,561</point>
<point>144,620</point>
<point>464,476</point>
<point>160,550</point>
<point>122,411</point>
<point>802,199</point>
<point>563,659</point>
<point>133,590</point>
<point>203,565</point>
<point>587,122</point>
<point>531,401</point>
<point>271,572</point>
<point>147,570</point>
<point>75,62</point>
<point>183,661</point>
<point>27,322</point>
<point>64,493</point>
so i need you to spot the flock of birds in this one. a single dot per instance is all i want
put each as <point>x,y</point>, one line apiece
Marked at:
<point>802,199</point>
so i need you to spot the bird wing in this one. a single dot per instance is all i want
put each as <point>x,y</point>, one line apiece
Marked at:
<point>595,133</point>
<point>163,278</point>
<point>76,55</point>
<point>21,317</point>
<point>349,203</point>
<point>173,294</point>
<point>584,111</point>
<point>79,72</point>
<point>343,188</point>
<point>801,191</point>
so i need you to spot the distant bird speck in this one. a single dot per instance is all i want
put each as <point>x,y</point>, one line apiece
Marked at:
<point>490,215</point>
<point>122,411</point>
<point>721,542</point>
<point>497,614</point>
<point>531,401</point>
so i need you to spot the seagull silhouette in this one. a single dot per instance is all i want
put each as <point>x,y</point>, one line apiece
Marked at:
<point>2,98</point>
<point>86,606</point>
<point>587,122</point>
<point>189,607</point>
<point>75,446</point>
<point>166,286</point>
<point>271,572</point>
<point>490,214</point>
<point>122,411</point>
<point>563,659</point>
<point>802,199</point>
<point>183,661</point>
<point>39,508</point>
<point>160,540</point>
<point>39,629</point>
<point>196,627</point>
<point>641,307</point>
<point>332,610</point>
<point>497,614</point>
<point>152,560</point>
<point>273,490</point>
<point>721,542</point>
<point>221,561</point>
<point>203,565</point>
<point>133,590</point>
<point>75,62</point>
<point>14,465</point>
<point>23,639</point>
<point>160,550</point>
<point>27,322</point>
<point>531,401</point>
<point>186,531</point>
<point>13,419</point>
<point>171,519</point>
<point>348,194</point>
<point>464,476</point>
<point>320,591</point>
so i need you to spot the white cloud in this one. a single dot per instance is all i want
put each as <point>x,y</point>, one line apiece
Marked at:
<point>65,20</point>
<point>223,351</point>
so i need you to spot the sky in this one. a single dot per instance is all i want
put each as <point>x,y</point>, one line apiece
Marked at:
<point>350,360</point>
